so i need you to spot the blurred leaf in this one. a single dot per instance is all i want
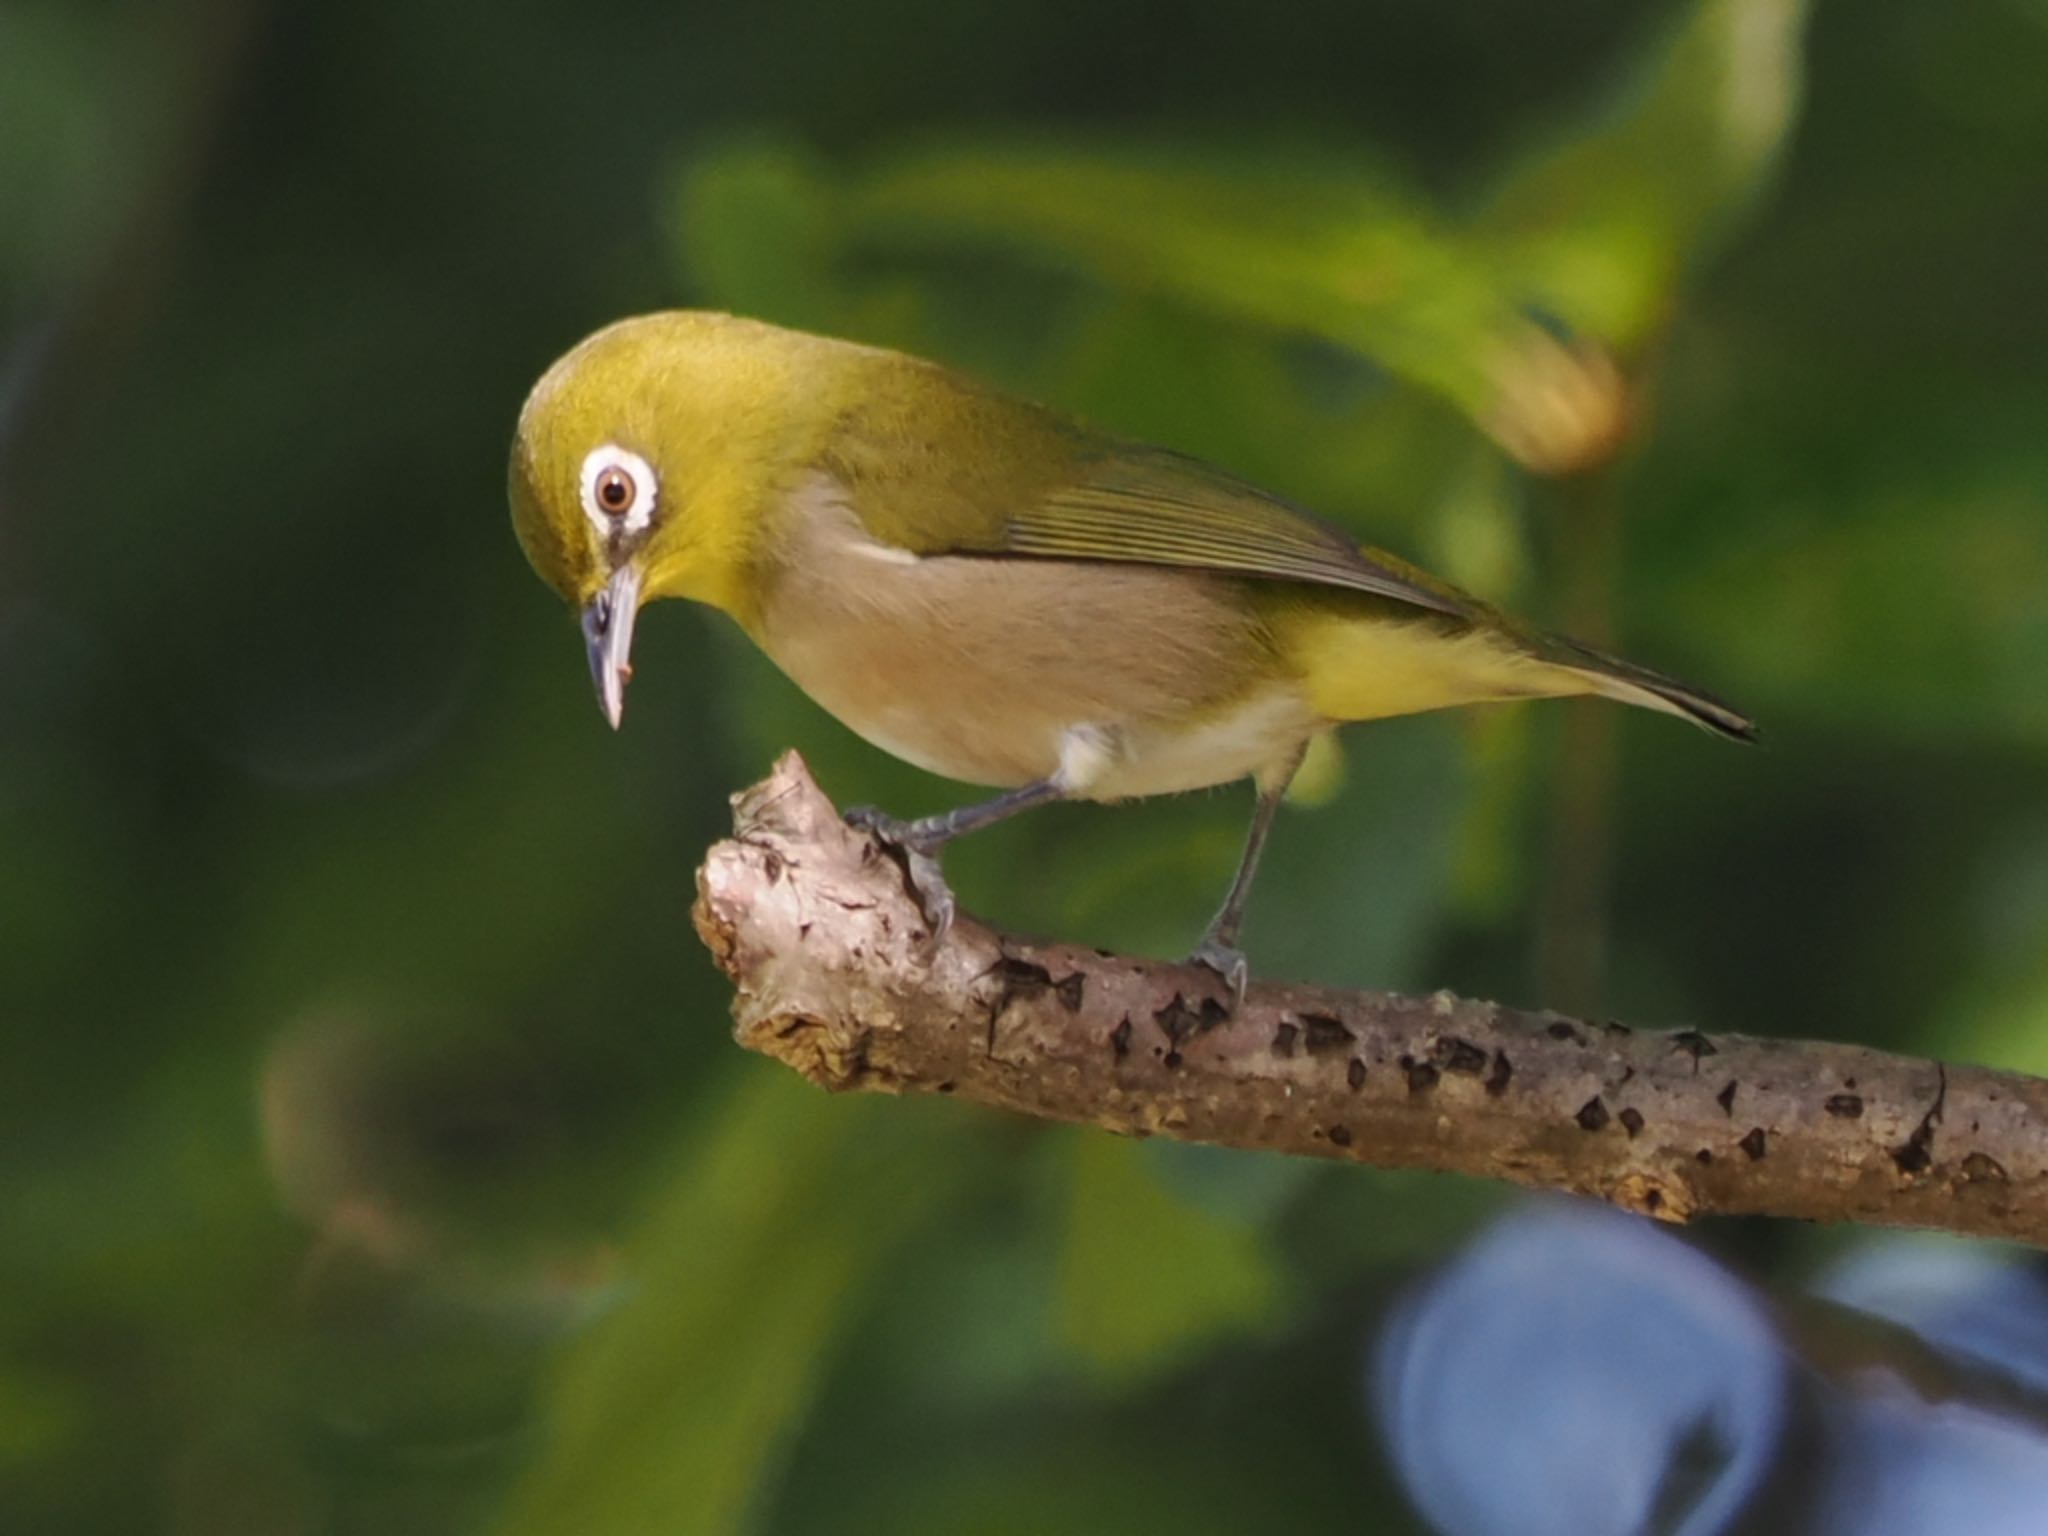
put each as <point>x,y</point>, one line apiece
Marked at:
<point>1146,1278</point>
<point>1924,613</point>
<point>1253,1188</point>
<point>1355,893</point>
<point>1293,244</point>
<point>64,169</point>
<point>1596,233</point>
<point>2000,1012</point>
<point>1600,229</point>
<point>1354,1221</point>
<point>1332,252</point>
<point>969,1324</point>
<point>667,1416</point>
<point>757,224</point>
<point>1104,1484</point>
<point>39,1415</point>
<point>1487,865</point>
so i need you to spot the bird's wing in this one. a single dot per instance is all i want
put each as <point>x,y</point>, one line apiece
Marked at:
<point>1148,506</point>
<point>1105,500</point>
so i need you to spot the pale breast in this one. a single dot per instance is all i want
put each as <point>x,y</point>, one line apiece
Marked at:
<point>985,669</point>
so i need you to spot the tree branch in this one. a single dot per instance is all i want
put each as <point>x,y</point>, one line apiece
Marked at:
<point>837,978</point>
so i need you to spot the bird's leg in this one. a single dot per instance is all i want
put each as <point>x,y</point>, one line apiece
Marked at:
<point>1218,949</point>
<point>919,841</point>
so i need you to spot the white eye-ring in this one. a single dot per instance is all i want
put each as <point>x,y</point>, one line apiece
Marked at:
<point>619,491</point>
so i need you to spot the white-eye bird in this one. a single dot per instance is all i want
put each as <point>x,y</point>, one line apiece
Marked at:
<point>989,590</point>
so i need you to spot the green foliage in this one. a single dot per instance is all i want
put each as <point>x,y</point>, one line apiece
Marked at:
<point>1603,226</point>
<point>667,1415</point>
<point>63,167</point>
<point>1597,232</point>
<point>1145,1277</point>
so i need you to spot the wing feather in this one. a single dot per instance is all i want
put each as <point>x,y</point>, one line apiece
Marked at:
<point>1040,486</point>
<point>1151,507</point>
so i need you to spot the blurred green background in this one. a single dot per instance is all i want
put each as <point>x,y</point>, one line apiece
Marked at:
<point>373,1157</point>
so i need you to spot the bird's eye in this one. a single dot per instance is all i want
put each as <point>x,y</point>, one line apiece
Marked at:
<point>619,492</point>
<point>615,491</point>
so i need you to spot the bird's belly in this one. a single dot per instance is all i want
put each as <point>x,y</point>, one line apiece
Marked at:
<point>1121,681</point>
<point>1099,760</point>
<point>1246,737</point>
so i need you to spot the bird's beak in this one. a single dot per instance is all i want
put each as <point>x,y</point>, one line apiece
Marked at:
<point>608,637</point>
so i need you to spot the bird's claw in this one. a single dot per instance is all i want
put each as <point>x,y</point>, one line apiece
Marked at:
<point>1229,963</point>
<point>928,885</point>
<point>920,863</point>
<point>886,828</point>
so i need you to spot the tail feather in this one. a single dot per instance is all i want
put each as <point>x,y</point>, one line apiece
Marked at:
<point>1613,678</point>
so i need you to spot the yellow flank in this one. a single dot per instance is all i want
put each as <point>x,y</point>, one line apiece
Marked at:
<point>1360,663</point>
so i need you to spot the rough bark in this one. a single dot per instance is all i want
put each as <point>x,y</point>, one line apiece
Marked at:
<point>837,977</point>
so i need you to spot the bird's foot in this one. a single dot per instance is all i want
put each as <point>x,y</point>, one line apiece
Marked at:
<point>919,857</point>
<point>1228,962</point>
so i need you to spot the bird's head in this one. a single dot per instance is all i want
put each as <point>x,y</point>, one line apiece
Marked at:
<point>641,465</point>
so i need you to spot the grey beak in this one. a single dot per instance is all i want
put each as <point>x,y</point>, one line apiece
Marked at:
<point>608,638</point>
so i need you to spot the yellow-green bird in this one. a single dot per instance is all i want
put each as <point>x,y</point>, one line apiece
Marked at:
<point>989,590</point>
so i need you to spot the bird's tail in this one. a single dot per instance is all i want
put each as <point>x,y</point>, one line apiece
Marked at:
<point>1613,678</point>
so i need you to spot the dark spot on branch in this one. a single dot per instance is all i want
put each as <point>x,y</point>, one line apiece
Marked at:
<point>1616,1027</point>
<point>1283,1037</point>
<point>947,1087</point>
<point>1981,1167</point>
<point>1120,1038</point>
<point>1755,1144</point>
<point>1497,1079</point>
<point>1917,1155</point>
<point>1703,1157</point>
<point>1726,1099</point>
<point>772,865</point>
<point>1017,978</point>
<point>1068,989</point>
<point>1322,1033</point>
<point>1592,1115</point>
<point>1340,1136</point>
<point>1177,1021</point>
<point>1422,1075</point>
<point>1632,1122</point>
<point>1460,1056</point>
<point>1355,1074</point>
<point>1845,1106</point>
<point>1172,1058</point>
<point>1694,1044</point>
<point>1563,1030</point>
